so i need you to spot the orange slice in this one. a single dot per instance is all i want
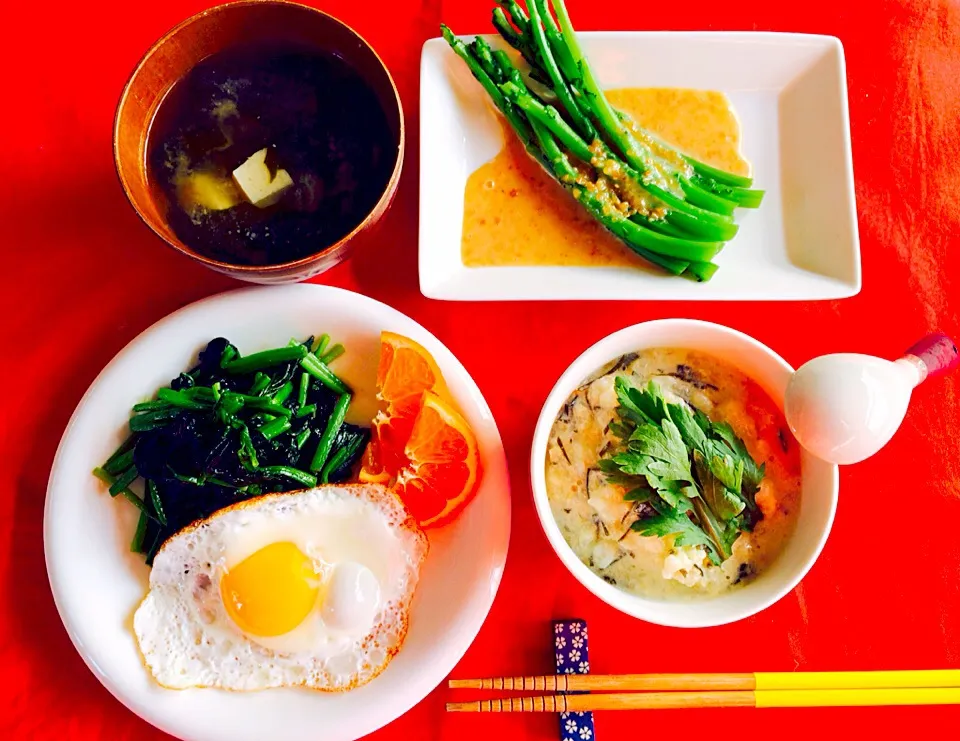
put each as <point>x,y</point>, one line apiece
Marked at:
<point>443,469</point>
<point>405,371</point>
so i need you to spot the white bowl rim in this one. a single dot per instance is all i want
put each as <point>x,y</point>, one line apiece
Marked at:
<point>652,611</point>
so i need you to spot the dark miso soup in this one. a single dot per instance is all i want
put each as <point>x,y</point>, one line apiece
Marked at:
<point>313,147</point>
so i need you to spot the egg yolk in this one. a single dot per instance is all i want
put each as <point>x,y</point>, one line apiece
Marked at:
<point>270,592</point>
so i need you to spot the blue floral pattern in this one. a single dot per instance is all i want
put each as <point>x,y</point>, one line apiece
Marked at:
<point>570,642</point>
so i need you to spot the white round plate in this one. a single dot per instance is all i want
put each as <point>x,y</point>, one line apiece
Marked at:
<point>97,583</point>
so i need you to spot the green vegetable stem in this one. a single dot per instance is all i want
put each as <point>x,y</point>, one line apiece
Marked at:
<point>669,208</point>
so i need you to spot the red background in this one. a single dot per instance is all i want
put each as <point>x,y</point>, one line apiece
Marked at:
<point>82,276</point>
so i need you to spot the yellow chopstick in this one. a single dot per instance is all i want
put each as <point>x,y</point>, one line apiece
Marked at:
<point>709,682</point>
<point>743,698</point>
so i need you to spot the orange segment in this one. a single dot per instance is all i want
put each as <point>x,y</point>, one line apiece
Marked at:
<point>406,369</point>
<point>443,469</point>
<point>419,440</point>
<point>392,430</point>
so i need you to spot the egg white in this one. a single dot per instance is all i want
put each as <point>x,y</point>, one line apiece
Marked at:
<point>188,640</point>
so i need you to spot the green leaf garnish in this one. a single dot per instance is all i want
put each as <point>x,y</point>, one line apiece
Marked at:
<point>723,502</point>
<point>677,524</point>
<point>696,475</point>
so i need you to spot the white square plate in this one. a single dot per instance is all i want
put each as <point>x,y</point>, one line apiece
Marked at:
<point>790,94</point>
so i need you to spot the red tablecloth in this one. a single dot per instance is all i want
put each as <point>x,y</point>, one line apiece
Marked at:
<point>82,276</point>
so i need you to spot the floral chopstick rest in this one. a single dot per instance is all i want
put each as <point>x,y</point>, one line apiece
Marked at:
<point>570,642</point>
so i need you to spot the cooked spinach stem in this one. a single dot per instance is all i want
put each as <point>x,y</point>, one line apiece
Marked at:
<point>122,449</point>
<point>258,402</point>
<point>136,544</point>
<point>150,552</point>
<point>136,501</point>
<point>319,370</point>
<point>229,353</point>
<point>150,406</point>
<point>119,463</point>
<point>321,344</point>
<point>303,389</point>
<point>283,393</point>
<point>179,399</point>
<point>302,477</point>
<point>195,480</point>
<point>306,411</point>
<point>259,385</point>
<point>302,437</point>
<point>153,420</point>
<point>230,403</point>
<point>246,445</point>
<point>275,427</point>
<point>126,493</point>
<point>101,473</point>
<point>154,495</point>
<point>265,359</point>
<point>339,458</point>
<point>123,480</point>
<point>332,354</point>
<point>330,432</point>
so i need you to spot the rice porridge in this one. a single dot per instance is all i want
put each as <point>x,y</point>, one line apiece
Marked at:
<point>605,529</point>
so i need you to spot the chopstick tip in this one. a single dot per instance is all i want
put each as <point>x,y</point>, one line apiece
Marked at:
<point>461,707</point>
<point>464,684</point>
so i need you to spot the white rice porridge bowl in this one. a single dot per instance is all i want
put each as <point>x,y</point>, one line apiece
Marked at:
<point>728,377</point>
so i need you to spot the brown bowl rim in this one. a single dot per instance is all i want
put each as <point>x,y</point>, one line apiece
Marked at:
<point>388,189</point>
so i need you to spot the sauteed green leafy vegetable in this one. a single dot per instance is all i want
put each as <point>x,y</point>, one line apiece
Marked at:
<point>231,428</point>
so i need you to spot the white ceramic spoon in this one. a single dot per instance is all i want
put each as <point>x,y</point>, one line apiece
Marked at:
<point>843,408</point>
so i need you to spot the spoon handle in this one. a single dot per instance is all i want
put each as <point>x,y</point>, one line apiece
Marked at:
<point>934,354</point>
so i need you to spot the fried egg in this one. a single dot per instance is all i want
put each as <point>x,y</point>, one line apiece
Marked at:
<point>307,588</point>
